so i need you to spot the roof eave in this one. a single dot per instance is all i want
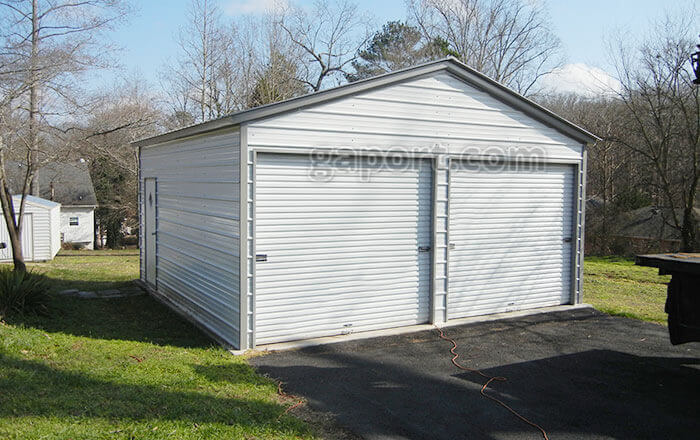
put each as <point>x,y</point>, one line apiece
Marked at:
<point>522,103</point>
<point>450,64</point>
<point>294,103</point>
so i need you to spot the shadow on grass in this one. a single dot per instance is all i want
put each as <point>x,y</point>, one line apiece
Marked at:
<point>135,318</point>
<point>230,373</point>
<point>42,391</point>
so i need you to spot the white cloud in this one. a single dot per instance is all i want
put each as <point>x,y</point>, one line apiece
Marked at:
<point>581,79</point>
<point>239,7</point>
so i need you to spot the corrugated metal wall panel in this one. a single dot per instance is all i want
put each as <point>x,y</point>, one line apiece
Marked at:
<point>418,114</point>
<point>511,231</point>
<point>41,231</point>
<point>27,238</point>
<point>36,243</point>
<point>342,254</point>
<point>55,224</point>
<point>198,227</point>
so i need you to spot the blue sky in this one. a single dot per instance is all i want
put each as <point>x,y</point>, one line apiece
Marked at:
<point>148,39</point>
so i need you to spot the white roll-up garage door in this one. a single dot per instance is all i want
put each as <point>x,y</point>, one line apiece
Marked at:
<point>511,228</point>
<point>342,245</point>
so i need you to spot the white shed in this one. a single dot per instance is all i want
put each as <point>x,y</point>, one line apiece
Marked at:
<point>421,196</point>
<point>41,230</point>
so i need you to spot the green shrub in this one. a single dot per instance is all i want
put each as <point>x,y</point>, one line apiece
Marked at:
<point>22,292</point>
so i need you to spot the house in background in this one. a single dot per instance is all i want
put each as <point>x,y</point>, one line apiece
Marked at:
<point>70,185</point>
<point>650,229</point>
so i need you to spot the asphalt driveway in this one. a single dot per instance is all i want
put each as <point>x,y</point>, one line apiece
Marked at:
<point>580,374</point>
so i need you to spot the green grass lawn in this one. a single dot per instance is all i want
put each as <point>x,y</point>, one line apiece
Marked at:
<point>126,369</point>
<point>616,286</point>
<point>132,369</point>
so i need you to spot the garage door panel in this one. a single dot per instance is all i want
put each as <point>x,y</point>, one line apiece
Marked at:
<point>505,295</point>
<point>510,228</point>
<point>319,327</point>
<point>337,287</point>
<point>290,280</point>
<point>318,304</point>
<point>517,289</point>
<point>343,253</point>
<point>516,269</point>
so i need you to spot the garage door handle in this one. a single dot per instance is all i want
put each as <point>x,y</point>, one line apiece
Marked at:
<point>261,257</point>
<point>423,248</point>
<point>567,240</point>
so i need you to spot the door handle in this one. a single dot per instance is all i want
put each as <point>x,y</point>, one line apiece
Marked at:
<point>423,248</point>
<point>567,240</point>
<point>260,257</point>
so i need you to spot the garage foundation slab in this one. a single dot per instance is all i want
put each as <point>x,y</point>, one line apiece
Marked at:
<point>411,329</point>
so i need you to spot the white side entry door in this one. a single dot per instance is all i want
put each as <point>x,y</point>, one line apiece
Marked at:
<point>150,232</point>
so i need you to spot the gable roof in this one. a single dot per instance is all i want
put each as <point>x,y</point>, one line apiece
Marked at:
<point>71,182</point>
<point>450,64</point>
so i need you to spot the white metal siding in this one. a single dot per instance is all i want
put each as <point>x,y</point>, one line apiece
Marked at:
<point>36,242</point>
<point>439,110</point>
<point>342,248</point>
<point>198,227</point>
<point>27,237</point>
<point>55,223</point>
<point>511,229</point>
<point>41,231</point>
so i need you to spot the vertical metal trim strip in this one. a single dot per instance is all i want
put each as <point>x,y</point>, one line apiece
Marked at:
<point>243,238</point>
<point>576,228</point>
<point>582,245</point>
<point>433,265</point>
<point>155,223</point>
<point>142,226</point>
<point>254,245</point>
<point>448,222</point>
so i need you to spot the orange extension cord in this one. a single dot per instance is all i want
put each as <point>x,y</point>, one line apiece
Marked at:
<point>289,397</point>
<point>488,382</point>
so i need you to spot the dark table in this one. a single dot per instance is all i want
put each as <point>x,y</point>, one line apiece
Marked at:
<point>683,294</point>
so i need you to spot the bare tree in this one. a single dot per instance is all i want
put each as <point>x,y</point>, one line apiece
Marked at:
<point>127,113</point>
<point>330,35</point>
<point>663,117</point>
<point>614,180</point>
<point>276,82</point>
<point>201,81</point>
<point>511,41</point>
<point>269,61</point>
<point>45,46</point>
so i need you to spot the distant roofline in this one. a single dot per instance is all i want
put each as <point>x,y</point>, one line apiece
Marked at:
<point>37,200</point>
<point>78,206</point>
<point>450,64</point>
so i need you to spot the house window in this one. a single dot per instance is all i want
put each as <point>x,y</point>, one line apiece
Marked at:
<point>73,221</point>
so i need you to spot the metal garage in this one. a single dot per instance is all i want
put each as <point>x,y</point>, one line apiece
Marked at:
<point>421,196</point>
